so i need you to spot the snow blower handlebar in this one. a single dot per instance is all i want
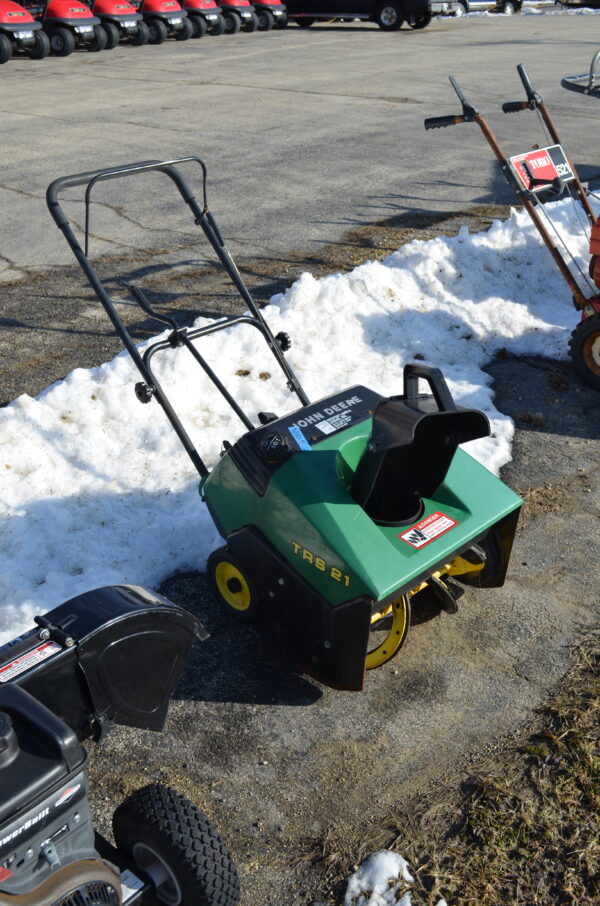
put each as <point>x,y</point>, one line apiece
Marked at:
<point>535,102</point>
<point>149,387</point>
<point>586,83</point>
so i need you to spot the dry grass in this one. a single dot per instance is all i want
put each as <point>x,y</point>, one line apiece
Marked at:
<point>521,829</point>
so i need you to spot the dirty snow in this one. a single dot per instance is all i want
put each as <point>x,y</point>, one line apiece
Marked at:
<point>383,879</point>
<point>95,487</point>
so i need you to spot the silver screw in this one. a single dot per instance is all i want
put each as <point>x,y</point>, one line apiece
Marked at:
<point>29,854</point>
<point>69,642</point>
<point>76,818</point>
<point>44,635</point>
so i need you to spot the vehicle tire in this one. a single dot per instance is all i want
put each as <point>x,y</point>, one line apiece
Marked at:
<point>41,47</point>
<point>584,347</point>
<point>305,22</point>
<point>185,32</point>
<point>62,42</point>
<point>233,587</point>
<point>218,28</point>
<point>113,35</point>
<point>99,41</point>
<point>461,10</point>
<point>157,31</point>
<point>420,21</point>
<point>509,8</point>
<point>198,24</point>
<point>389,16</point>
<point>175,845</point>
<point>233,23</point>
<point>251,24</point>
<point>391,625</point>
<point>142,35</point>
<point>5,48</point>
<point>266,20</point>
<point>281,21</point>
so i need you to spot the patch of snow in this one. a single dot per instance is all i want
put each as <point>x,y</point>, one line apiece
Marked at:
<point>382,880</point>
<point>96,489</point>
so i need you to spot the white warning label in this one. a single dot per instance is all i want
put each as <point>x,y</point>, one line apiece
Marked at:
<point>28,660</point>
<point>428,529</point>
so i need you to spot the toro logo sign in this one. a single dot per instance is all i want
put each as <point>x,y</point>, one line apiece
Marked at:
<point>545,164</point>
<point>428,529</point>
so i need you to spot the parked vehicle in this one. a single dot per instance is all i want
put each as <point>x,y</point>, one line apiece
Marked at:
<point>205,16</point>
<point>239,15</point>
<point>20,31</point>
<point>388,14</point>
<point>69,24</point>
<point>270,14</point>
<point>121,22</point>
<point>165,19</point>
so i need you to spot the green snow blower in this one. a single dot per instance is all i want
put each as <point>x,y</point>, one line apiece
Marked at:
<point>344,514</point>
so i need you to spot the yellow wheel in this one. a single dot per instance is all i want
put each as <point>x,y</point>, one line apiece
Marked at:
<point>232,585</point>
<point>388,627</point>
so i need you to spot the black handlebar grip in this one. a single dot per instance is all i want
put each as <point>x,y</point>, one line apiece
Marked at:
<point>527,83</point>
<point>514,106</point>
<point>438,122</point>
<point>437,384</point>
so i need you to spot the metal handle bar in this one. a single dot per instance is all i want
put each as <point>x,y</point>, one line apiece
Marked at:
<point>469,113</point>
<point>574,83</point>
<point>434,377</point>
<point>514,106</point>
<point>440,122</point>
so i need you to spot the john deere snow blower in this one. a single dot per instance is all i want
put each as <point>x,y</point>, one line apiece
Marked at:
<point>539,176</point>
<point>110,656</point>
<point>346,512</point>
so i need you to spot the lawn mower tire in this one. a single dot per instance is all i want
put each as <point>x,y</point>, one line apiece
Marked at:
<point>584,347</point>
<point>62,42</point>
<point>218,27</point>
<point>234,588</point>
<point>388,631</point>
<point>41,48</point>
<point>112,35</point>
<point>142,35</point>
<point>5,48</point>
<point>233,23</point>
<point>100,41</point>
<point>157,31</point>
<point>199,26</point>
<point>175,845</point>
<point>186,32</point>
<point>266,20</point>
<point>251,24</point>
<point>390,16</point>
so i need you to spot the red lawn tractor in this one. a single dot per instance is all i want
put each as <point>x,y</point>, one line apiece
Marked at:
<point>20,31</point>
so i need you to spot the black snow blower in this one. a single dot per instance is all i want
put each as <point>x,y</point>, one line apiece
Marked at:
<point>107,657</point>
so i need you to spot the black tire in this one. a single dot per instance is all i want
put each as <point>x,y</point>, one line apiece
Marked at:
<point>233,23</point>
<point>113,35</point>
<point>218,27</point>
<point>41,47</point>
<point>199,27</point>
<point>266,20</point>
<point>584,347</point>
<point>99,41</point>
<point>461,10</point>
<point>390,16</point>
<point>233,586</point>
<point>185,32</point>
<point>142,35</point>
<point>62,42</point>
<point>417,22</point>
<point>173,842</point>
<point>510,7</point>
<point>250,24</point>
<point>5,48</point>
<point>305,22</point>
<point>157,31</point>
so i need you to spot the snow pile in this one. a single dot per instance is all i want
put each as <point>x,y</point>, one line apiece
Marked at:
<point>382,880</point>
<point>96,489</point>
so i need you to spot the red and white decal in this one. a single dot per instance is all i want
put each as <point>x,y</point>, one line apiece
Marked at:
<point>28,660</point>
<point>428,529</point>
<point>5,873</point>
<point>546,164</point>
<point>66,795</point>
